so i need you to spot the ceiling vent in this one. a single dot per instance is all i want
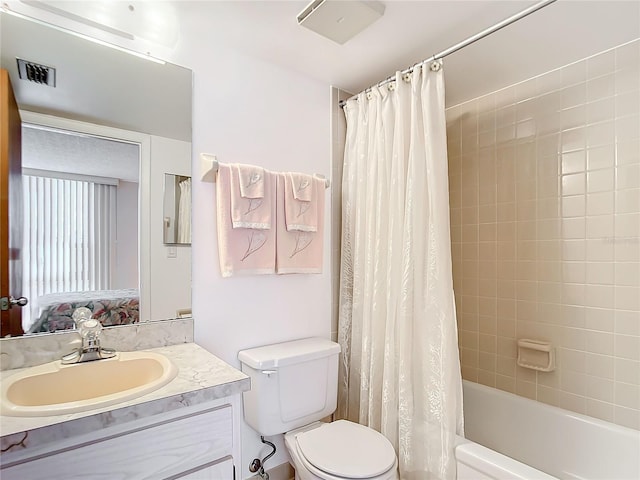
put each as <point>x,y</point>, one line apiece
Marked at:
<point>340,20</point>
<point>34,72</point>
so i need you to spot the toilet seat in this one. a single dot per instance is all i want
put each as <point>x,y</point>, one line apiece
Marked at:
<point>345,450</point>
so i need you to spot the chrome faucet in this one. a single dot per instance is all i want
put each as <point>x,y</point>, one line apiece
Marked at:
<point>89,330</point>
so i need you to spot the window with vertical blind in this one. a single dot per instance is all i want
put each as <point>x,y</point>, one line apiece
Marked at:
<point>69,237</point>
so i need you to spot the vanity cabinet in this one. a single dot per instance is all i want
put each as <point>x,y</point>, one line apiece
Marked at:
<point>184,444</point>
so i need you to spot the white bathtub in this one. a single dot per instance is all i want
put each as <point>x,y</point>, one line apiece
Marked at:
<point>510,437</point>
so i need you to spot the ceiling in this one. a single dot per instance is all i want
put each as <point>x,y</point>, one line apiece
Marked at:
<point>54,150</point>
<point>408,32</point>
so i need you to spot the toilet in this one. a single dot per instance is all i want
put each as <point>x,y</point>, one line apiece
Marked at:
<point>293,386</point>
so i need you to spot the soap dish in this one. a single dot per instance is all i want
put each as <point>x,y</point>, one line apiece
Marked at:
<point>536,355</point>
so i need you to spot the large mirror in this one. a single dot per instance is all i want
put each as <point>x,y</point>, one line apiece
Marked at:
<point>103,129</point>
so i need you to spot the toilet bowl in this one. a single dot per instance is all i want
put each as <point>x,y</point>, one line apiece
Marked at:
<point>341,450</point>
<point>293,386</point>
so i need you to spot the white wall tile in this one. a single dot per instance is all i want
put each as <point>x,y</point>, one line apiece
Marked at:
<point>602,410</point>
<point>626,80</point>
<point>628,152</point>
<point>627,103</point>
<point>599,273</point>
<point>628,176</point>
<point>598,388</point>
<point>627,201</point>
<point>602,64</point>
<point>627,274</point>
<point>627,417</point>
<point>628,56</point>
<point>599,342</point>
<point>601,157</point>
<point>626,371</point>
<point>575,73</point>
<point>627,395</point>
<point>601,110</point>
<point>601,319</point>
<point>600,134</point>
<point>600,365</point>
<point>600,180</point>
<point>627,346</point>
<point>627,322</point>
<point>628,298</point>
<point>601,87</point>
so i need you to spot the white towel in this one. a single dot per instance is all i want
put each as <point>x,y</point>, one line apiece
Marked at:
<point>301,215</point>
<point>242,250</point>
<point>299,251</point>
<point>252,210</point>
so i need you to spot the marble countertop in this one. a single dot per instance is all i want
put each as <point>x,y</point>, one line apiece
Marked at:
<point>201,377</point>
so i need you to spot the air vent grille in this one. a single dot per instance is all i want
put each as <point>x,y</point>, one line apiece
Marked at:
<point>34,72</point>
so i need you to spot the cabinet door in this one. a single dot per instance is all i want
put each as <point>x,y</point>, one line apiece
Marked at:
<point>161,451</point>
<point>221,470</point>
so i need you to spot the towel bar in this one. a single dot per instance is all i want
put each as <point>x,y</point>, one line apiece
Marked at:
<point>209,167</point>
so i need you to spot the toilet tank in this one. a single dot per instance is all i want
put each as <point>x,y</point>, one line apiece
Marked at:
<point>292,384</point>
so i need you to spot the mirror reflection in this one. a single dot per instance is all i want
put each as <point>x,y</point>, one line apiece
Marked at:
<point>176,222</point>
<point>95,148</point>
<point>81,228</point>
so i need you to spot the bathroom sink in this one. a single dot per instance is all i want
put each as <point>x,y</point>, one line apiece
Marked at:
<point>55,389</point>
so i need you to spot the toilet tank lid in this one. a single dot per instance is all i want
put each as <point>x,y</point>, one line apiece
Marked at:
<point>288,353</point>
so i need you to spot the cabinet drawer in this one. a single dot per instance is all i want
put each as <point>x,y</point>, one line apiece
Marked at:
<point>220,470</point>
<point>162,450</point>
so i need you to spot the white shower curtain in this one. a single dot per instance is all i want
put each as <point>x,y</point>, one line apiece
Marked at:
<point>184,212</point>
<point>400,371</point>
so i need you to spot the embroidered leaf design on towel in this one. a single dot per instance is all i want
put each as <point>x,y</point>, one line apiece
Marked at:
<point>303,207</point>
<point>303,240</point>
<point>254,204</point>
<point>256,242</point>
<point>303,184</point>
<point>255,178</point>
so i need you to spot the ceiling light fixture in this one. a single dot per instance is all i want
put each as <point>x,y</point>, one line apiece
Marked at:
<point>7,10</point>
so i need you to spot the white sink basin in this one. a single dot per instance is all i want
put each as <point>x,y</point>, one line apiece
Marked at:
<point>55,389</point>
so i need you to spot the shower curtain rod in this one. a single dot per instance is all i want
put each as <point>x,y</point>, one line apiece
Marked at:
<point>478,36</point>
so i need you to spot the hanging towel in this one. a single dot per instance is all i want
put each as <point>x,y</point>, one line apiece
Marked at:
<point>298,251</point>
<point>252,180</point>
<point>302,186</point>
<point>251,197</point>
<point>301,214</point>
<point>242,251</point>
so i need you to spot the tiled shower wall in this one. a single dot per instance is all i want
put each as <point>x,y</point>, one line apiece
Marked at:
<point>545,223</point>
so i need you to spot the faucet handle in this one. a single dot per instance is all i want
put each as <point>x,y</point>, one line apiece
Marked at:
<point>81,315</point>
<point>90,328</point>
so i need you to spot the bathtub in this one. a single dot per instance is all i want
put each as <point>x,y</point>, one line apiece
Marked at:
<point>510,437</point>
